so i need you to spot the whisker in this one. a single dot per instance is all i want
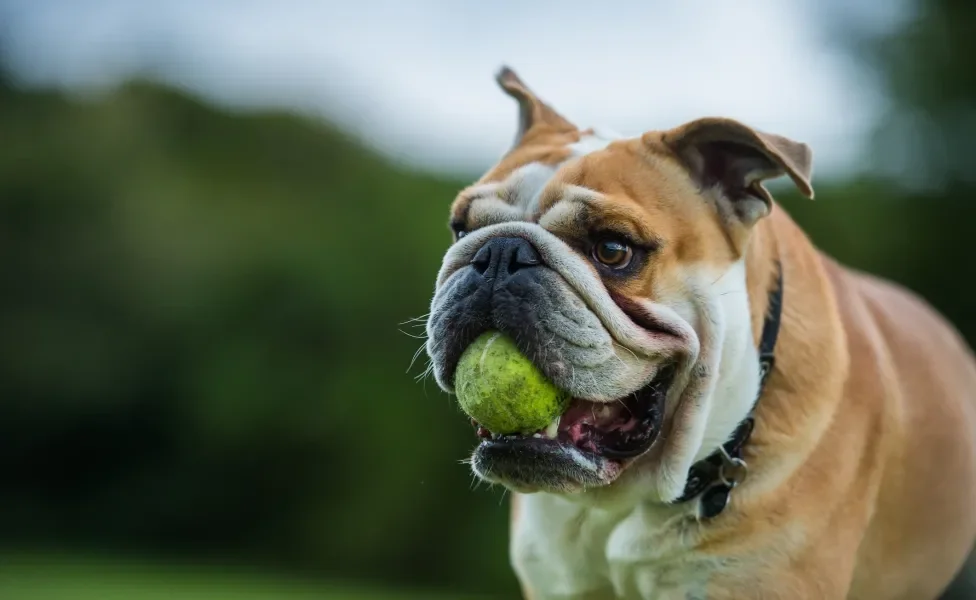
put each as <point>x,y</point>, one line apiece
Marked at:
<point>426,373</point>
<point>426,377</point>
<point>624,404</point>
<point>632,353</point>
<point>416,355</point>
<point>422,317</point>
<point>475,482</point>
<point>422,336</point>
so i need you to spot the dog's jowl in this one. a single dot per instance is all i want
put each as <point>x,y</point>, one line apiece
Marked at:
<point>749,419</point>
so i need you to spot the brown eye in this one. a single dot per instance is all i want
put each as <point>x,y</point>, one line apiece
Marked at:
<point>612,253</point>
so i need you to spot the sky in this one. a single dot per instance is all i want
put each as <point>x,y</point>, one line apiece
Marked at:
<point>414,78</point>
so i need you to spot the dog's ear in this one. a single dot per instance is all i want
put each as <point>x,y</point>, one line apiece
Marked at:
<point>533,112</point>
<point>737,159</point>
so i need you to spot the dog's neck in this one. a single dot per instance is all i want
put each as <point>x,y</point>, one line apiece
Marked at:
<point>778,247</point>
<point>807,358</point>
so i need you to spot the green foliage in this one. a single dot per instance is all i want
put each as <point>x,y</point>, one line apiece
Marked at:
<point>927,68</point>
<point>47,578</point>
<point>202,344</point>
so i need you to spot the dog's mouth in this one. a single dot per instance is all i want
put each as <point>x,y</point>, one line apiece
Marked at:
<point>600,433</point>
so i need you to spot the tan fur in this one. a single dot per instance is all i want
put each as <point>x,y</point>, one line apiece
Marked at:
<point>863,462</point>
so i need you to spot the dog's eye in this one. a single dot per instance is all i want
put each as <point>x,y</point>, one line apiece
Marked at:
<point>612,253</point>
<point>459,230</point>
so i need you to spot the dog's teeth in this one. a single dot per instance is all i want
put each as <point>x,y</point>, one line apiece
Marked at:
<point>553,428</point>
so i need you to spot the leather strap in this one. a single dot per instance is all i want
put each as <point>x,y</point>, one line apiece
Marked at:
<point>714,477</point>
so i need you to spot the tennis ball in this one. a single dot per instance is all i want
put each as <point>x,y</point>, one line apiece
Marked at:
<point>503,390</point>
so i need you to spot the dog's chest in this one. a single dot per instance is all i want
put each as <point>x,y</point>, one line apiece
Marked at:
<point>564,550</point>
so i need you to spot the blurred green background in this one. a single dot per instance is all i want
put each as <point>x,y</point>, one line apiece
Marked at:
<point>205,334</point>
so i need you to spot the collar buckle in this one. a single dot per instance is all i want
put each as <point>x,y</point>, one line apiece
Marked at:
<point>733,469</point>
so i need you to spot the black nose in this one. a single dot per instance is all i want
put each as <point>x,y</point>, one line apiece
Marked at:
<point>502,257</point>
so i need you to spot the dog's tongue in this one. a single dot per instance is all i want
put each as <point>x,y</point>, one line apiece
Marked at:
<point>583,416</point>
<point>584,423</point>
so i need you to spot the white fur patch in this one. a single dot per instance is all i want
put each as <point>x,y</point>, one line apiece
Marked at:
<point>517,197</point>
<point>562,549</point>
<point>492,210</point>
<point>525,185</point>
<point>598,140</point>
<point>710,407</point>
<point>557,548</point>
<point>738,373</point>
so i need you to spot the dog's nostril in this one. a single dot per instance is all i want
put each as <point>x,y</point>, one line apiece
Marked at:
<point>482,259</point>
<point>504,256</point>
<point>525,255</point>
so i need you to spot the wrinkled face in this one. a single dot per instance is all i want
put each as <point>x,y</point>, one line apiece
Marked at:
<point>617,267</point>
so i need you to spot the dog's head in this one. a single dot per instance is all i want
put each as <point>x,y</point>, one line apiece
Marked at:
<point>618,266</point>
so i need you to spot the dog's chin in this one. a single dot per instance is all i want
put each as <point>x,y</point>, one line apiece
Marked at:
<point>590,447</point>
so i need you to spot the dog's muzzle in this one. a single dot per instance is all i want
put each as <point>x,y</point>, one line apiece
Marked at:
<point>506,288</point>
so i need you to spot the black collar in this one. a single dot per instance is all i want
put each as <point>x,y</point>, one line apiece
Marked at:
<point>714,477</point>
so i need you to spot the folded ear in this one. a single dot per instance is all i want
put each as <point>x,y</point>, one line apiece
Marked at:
<point>533,112</point>
<point>737,158</point>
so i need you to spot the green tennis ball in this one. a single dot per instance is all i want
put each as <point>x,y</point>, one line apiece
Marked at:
<point>503,390</point>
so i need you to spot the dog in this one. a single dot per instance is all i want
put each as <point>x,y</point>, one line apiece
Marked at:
<point>750,419</point>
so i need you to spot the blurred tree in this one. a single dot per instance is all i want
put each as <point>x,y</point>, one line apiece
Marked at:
<point>927,67</point>
<point>925,143</point>
<point>201,350</point>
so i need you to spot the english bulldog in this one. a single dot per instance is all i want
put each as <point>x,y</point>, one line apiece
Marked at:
<point>750,419</point>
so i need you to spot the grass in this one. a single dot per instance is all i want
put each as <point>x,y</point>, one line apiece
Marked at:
<point>73,578</point>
